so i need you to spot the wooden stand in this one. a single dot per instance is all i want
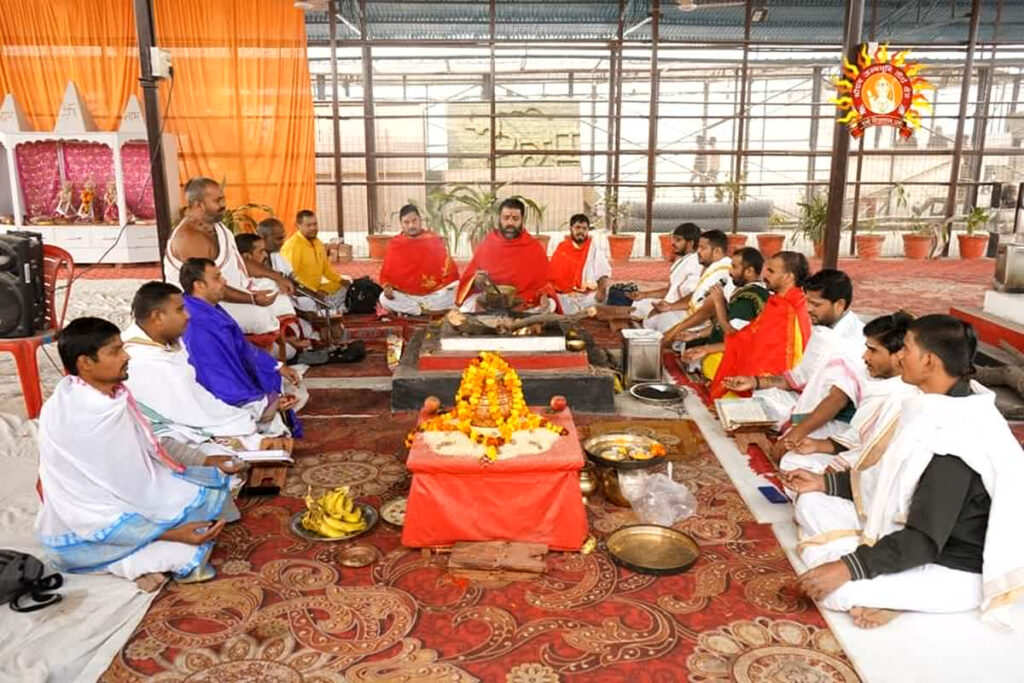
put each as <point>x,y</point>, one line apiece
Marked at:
<point>266,478</point>
<point>498,561</point>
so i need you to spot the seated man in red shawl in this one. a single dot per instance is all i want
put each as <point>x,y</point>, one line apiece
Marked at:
<point>418,275</point>
<point>509,256</point>
<point>579,269</point>
<point>774,342</point>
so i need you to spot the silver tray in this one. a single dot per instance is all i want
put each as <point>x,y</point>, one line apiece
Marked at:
<point>595,445</point>
<point>369,514</point>
<point>657,393</point>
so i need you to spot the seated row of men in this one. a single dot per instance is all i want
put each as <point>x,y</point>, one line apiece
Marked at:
<point>895,454</point>
<point>138,442</point>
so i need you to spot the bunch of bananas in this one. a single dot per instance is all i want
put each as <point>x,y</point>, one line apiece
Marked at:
<point>334,514</point>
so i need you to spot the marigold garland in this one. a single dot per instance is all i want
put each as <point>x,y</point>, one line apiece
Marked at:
<point>483,378</point>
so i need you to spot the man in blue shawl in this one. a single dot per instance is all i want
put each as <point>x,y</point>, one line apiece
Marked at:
<point>230,367</point>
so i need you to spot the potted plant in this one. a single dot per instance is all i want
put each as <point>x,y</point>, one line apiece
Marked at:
<point>812,220</point>
<point>869,243</point>
<point>620,244</point>
<point>667,252</point>
<point>733,192</point>
<point>241,220</point>
<point>770,243</point>
<point>377,242</point>
<point>478,211</point>
<point>922,238</point>
<point>972,246</point>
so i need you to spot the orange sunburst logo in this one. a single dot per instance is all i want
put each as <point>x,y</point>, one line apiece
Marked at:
<point>881,91</point>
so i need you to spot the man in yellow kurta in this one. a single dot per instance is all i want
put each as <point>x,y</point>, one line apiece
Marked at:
<point>308,258</point>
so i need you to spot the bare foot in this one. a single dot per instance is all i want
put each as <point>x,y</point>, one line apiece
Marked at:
<point>150,583</point>
<point>870,617</point>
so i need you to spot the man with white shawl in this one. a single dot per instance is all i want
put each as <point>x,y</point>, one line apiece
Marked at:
<point>881,394</point>
<point>682,278</point>
<point>819,396</point>
<point>941,509</point>
<point>201,234</point>
<point>113,499</point>
<point>580,270</point>
<point>165,387</point>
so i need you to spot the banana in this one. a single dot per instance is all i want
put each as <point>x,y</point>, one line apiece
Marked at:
<point>344,527</point>
<point>354,516</point>
<point>329,532</point>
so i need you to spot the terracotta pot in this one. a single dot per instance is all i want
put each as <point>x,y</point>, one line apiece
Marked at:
<point>667,253</point>
<point>916,246</point>
<point>544,240</point>
<point>339,252</point>
<point>972,246</point>
<point>378,245</point>
<point>621,246</point>
<point>869,247</point>
<point>736,241</point>
<point>770,244</point>
<point>819,250</point>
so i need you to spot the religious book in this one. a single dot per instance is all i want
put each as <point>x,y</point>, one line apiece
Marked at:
<point>743,414</point>
<point>264,456</point>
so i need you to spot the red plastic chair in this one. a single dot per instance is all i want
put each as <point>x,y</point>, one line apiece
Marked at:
<point>58,271</point>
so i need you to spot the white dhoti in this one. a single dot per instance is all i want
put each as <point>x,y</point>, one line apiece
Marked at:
<point>159,557</point>
<point>574,302</point>
<point>829,529</point>
<point>812,462</point>
<point>420,304</point>
<point>930,588</point>
<point>253,319</point>
<point>663,322</point>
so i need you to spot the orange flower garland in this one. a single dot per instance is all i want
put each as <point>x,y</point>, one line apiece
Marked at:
<point>484,376</point>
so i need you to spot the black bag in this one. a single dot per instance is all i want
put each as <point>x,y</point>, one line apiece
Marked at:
<point>362,296</point>
<point>617,294</point>
<point>21,574</point>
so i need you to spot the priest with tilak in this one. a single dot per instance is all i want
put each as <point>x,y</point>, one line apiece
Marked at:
<point>509,256</point>
<point>418,274</point>
<point>774,342</point>
<point>579,269</point>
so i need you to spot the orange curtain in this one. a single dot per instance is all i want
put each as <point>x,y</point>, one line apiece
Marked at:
<point>242,106</point>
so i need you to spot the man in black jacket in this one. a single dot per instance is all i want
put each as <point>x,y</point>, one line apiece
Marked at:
<point>922,543</point>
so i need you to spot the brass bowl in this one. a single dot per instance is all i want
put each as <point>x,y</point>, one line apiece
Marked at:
<point>652,549</point>
<point>359,555</point>
<point>610,486</point>
<point>590,483</point>
<point>575,344</point>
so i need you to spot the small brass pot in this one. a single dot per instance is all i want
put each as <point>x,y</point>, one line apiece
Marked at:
<point>590,482</point>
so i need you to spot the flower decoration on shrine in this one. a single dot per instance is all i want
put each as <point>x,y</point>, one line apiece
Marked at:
<point>489,407</point>
<point>880,90</point>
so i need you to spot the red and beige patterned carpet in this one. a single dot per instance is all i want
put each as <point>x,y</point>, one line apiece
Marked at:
<point>283,609</point>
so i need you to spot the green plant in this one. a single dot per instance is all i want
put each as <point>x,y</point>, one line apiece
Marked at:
<point>235,219</point>
<point>813,218</point>
<point>614,212</point>
<point>778,220</point>
<point>467,212</point>
<point>438,214</point>
<point>975,219</point>
<point>732,190</point>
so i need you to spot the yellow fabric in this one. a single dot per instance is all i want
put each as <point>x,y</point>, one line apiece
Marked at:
<point>309,263</point>
<point>709,366</point>
<point>242,106</point>
<point>798,344</point>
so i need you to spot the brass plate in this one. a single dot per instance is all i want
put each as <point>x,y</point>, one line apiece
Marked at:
<point>602,450</point>
<point>393,512</point>
<point>652,549</point>
<point>369,514</point>
<point>358,556</point>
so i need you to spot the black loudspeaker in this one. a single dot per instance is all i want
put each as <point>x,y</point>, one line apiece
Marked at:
<point>22,297</point>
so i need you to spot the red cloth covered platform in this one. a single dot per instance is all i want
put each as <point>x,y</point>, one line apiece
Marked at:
<point>530,498</point>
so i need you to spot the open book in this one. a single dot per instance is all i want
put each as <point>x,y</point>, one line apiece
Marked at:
<point>743,413</point>
<point>264,456</point>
